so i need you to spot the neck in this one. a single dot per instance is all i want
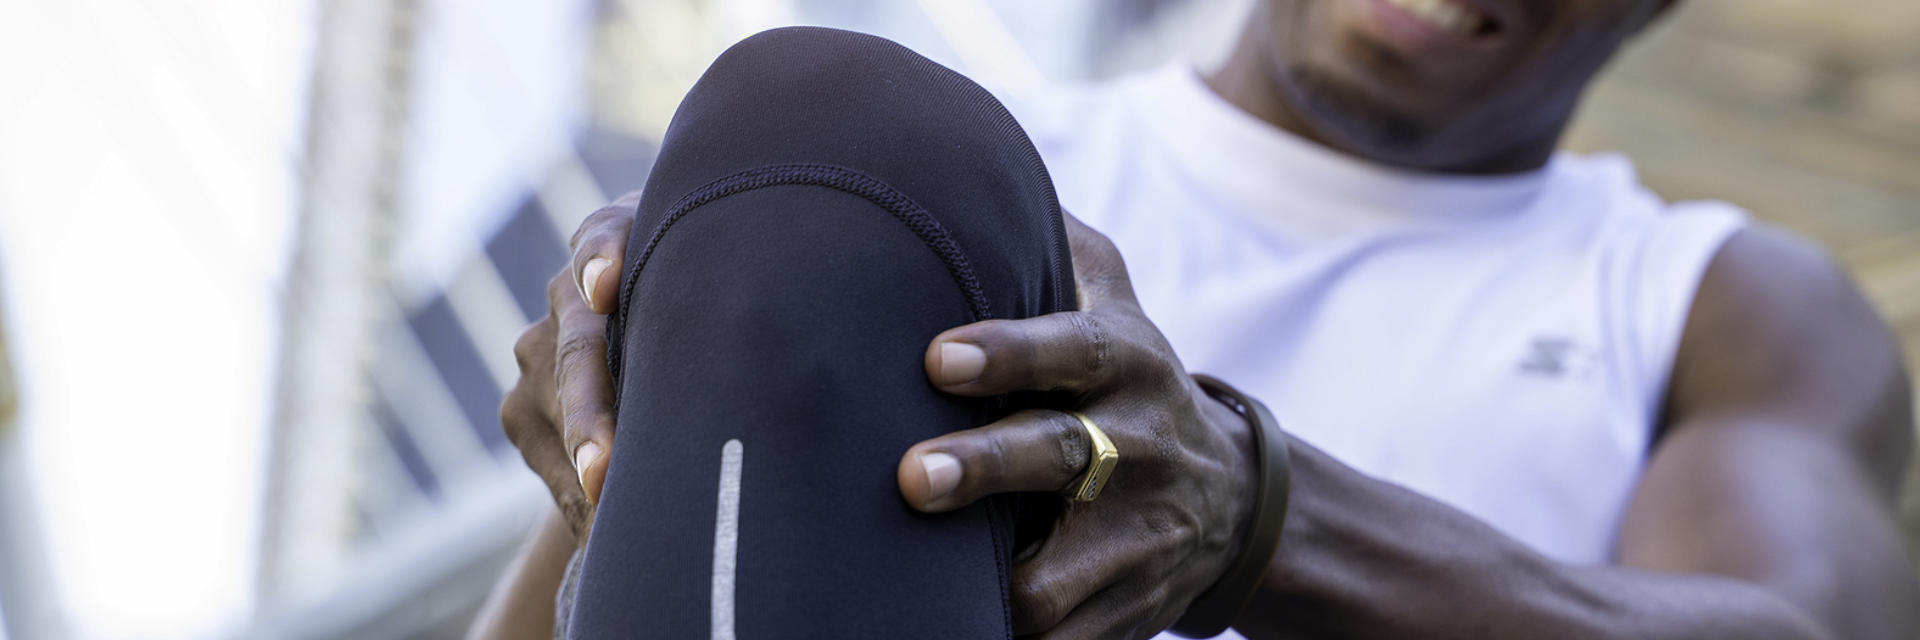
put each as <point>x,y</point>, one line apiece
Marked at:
<point>1252,81</point>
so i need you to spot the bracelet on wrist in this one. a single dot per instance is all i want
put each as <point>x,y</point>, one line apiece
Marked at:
<point>1213,612</point>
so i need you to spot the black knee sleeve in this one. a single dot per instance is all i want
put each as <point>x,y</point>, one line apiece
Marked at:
<point>824,204</point>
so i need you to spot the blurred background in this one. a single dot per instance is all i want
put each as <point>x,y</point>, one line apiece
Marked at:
<point>262,263</point>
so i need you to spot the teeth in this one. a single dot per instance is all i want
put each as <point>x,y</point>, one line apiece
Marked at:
<point>1445,14</point>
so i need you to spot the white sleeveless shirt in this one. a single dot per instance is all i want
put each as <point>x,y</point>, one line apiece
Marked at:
<point>1499,344</point>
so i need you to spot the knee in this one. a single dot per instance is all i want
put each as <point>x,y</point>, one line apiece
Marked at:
<point>864,104</point>
<point>827,96</point>
<point>790,60</point>
<point>825,84</point>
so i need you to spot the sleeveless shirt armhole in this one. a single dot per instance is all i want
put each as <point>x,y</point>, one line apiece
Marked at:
<point>1678,246</point>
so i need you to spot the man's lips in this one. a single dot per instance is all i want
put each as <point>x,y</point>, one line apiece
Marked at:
<point>1434,25</point>
<point>1445,15</point>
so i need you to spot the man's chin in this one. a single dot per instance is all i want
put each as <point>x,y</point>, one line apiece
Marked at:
<point>1347,116</point>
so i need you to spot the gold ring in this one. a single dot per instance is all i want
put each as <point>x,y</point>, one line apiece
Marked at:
<point>1100,463</point>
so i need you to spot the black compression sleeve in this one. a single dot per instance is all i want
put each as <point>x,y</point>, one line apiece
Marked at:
<point>824,203</point>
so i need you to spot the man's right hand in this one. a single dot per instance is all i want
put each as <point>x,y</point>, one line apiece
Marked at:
<point>560,414</point>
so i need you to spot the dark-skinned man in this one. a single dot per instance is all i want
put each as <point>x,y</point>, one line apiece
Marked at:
<point>1524,397</point>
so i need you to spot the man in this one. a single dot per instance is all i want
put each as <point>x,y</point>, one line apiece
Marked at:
<point>1525,398</point>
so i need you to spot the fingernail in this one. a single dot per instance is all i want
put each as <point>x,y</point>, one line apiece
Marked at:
<point>943,474</point>
<point>961,362</point>
<point>590,278</point>
<point>584,456</point>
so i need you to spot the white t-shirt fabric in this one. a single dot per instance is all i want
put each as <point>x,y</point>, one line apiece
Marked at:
<point>1500,344</point>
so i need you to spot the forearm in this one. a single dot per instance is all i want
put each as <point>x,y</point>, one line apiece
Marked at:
<point>1364,558</point>
<point>522,604</point>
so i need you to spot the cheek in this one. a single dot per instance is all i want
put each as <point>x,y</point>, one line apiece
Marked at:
<point>1584,48</point>
<point>1547,82</point>
<point>1577,41</point>
<point>1592,29</point>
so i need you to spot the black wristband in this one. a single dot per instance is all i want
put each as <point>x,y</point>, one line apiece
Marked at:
<point>1215,609</point>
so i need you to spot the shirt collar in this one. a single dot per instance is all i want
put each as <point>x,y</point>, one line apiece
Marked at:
<point>1271,172</point>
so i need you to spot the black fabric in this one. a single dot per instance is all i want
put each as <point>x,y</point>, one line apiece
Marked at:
<point>824,204</point>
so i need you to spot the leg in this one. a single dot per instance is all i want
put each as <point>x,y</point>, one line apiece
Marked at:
<point>824,204</point>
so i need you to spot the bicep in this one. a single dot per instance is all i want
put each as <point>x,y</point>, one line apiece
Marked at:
<point>1778,506</point>
<point>1788,422</point>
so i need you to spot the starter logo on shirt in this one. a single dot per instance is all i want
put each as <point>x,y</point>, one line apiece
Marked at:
<point>1558,357</point>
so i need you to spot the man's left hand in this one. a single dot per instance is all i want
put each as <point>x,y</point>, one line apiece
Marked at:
<point>1173,514</point>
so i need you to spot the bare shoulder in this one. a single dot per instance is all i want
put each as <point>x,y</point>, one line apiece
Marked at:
<point>1780,335</point>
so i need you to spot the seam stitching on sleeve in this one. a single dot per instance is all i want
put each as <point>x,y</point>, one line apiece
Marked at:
<point>897,204</point>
